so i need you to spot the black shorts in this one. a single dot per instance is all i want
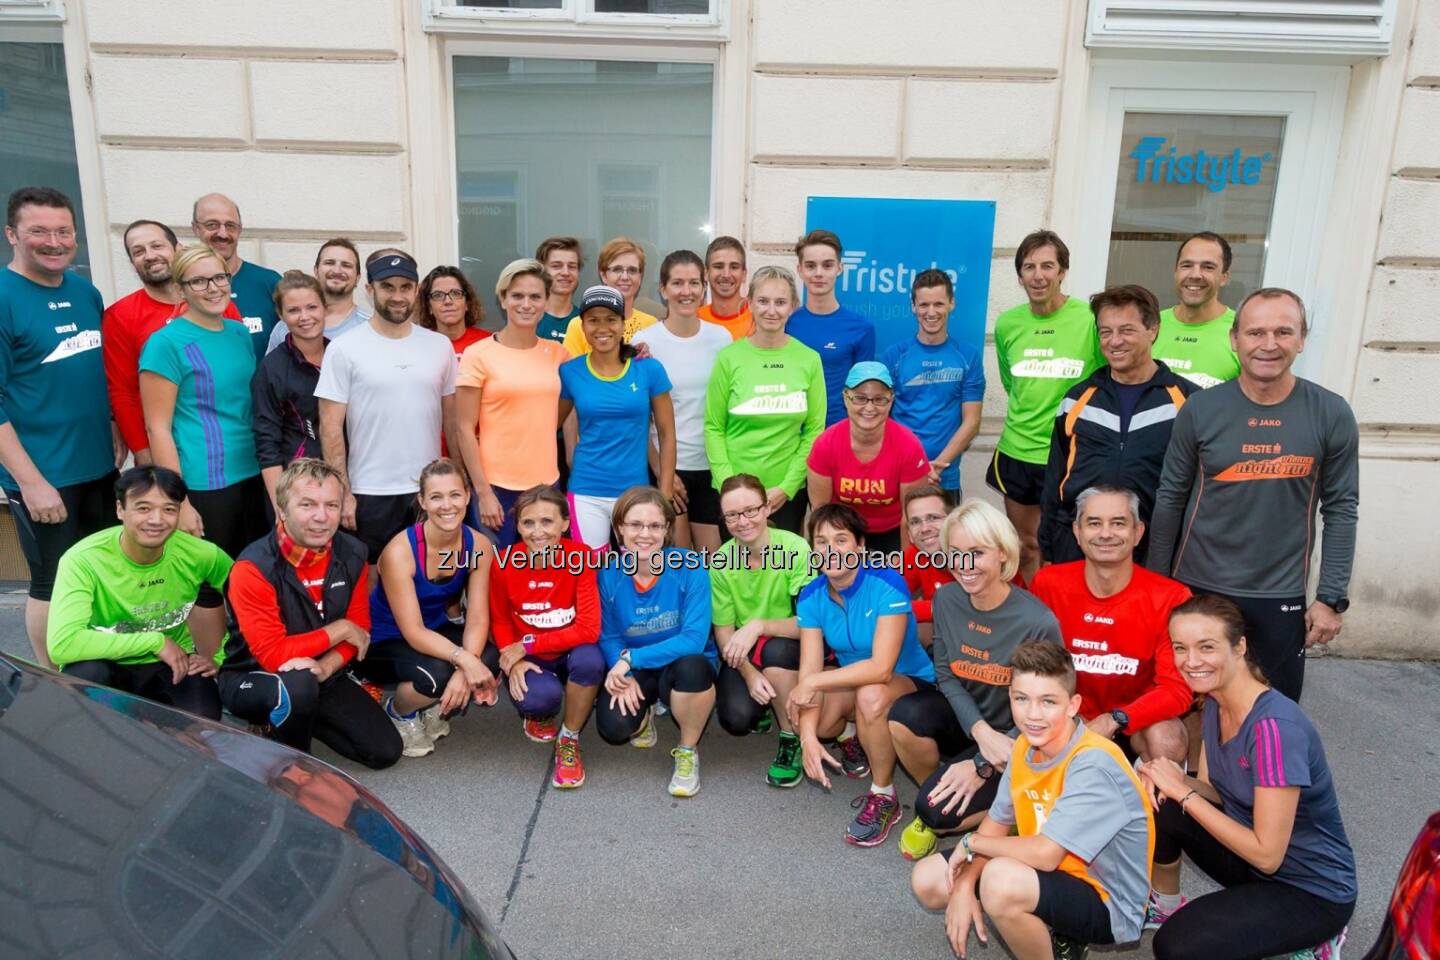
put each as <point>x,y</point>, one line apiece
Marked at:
<point>792,516</point>
<point>1016,480</point>
<point>378,517</point>
<point>1069,906</point>
<point>703,503</point>
<point>89,507</point>
<point>234,517</point>
<point>926,713</point>
<point>1275,638</point>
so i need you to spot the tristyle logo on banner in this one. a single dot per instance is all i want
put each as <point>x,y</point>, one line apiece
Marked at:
<point>887,242</point>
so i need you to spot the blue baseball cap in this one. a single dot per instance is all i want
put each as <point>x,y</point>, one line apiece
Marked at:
<point>392,265</point>
<point>869,370</point>
<point>602,296</point>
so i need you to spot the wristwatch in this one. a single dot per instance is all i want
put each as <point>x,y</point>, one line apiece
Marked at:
<point>984,769</point>
<point>625,659</point>
<point>1122,719</point>
<point>1338,604</point>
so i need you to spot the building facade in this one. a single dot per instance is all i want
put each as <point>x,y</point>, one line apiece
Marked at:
<point>467,132</point>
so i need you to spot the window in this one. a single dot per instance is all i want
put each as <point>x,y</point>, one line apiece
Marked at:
<point>670,19</point>
<point>1349,29</point>
<point>549,146</point>
<point>1183,173</point>
<point>37,135</point>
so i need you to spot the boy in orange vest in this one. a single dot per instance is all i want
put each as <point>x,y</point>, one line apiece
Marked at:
<point>1078,872</point>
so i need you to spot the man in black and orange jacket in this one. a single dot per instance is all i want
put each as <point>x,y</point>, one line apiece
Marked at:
<point>299,612</point>
<point>1112,428</point>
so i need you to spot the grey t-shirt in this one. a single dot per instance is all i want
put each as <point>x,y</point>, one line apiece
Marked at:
<point>1101,818</point>
<point>972,651</point>
<point>361,314</point>
<point>1242,480</point>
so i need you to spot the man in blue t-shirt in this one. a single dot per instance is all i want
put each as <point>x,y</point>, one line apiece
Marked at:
<point>842,337</point>
<point>939,382</point>
<point>215,219</point>
<point>57,450</point>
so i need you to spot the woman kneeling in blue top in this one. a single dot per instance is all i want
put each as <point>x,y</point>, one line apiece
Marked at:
<point>862,615</point>
<point>655,634</point>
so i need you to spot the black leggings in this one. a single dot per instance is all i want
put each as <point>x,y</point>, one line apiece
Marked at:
<point>1252,918</point>
<point>926,713</point>
<point>689,674</point>
<point>298,707</point>
<point>394,661</point>
<point>737,710</point>
<point>234,517</point>
<point>193,694</point>
<point>792,516</point>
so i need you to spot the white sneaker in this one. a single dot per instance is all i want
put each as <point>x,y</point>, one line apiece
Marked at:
<point>435,725</point>
<point>412,734</point>
<point>685,782</point>
<point>647,735</point>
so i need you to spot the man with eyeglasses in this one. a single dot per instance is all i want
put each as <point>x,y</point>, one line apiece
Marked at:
<point>215,218</point>
<point>337,267</point>
<point>57,450</point>
<point>129,322</point>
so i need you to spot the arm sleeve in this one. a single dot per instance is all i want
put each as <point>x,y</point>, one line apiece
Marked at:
<point>69,635</point>
<point>717,398</point>
<point>914,465</point>
<point>501,606</point>
<point>659,379</point>
<point>122,381</point>
<point>1280,753</point>
<point>265,407</point>
<point>575,341</point>
<point>924,609</point>
<point>450,368</point>
<point>7,361</point>
<point>966,710</point>
<point>1002,359</point>
<point>472,370</point>
<point>694,631</point>
<point>585,628</point>
<point>1339,502</point>
<point>611,639</point>
<point>972,390</point>
<point>722,606</point>
<point>865,349</point>
<point>821,458</point>
<point>1092,806</point>
<point>257,612</point>
<point>1176,476</point>
<point>1002,808</point>
<point>218,570</point>
<point>334,382</point>
<point>1169,695</point>
<point>158,357</point>
<point>814,426</point>
<point>358,612</point>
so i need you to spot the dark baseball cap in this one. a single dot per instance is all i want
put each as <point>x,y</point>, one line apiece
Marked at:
<point>391,265</point>
<point>602,296</point>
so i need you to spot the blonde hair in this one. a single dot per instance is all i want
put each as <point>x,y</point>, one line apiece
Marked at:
<point>304,468</point>
<point>618,248</point>
<point>766,274</point>
<point>514,270</point>
<point>191,254</point>
<point>988,527</point>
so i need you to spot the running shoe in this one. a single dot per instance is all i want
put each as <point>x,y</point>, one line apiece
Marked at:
<point>412,733</point>
<point>685,781</point>
<point>787,769</point>
<point>1155,917</point>
<point>764,725</point>
<point>646,736</point>
<point>569,768</point>
<point>436,726</point>
<point>542,730</point>
<point>917,841</point>
<point>1065,948</point>
<point>1329,950</point>
<point>852,758</point>
<point>878,813</point>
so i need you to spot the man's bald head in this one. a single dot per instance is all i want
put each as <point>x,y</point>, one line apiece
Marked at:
<point>215,219</point>
<point>215,205</point>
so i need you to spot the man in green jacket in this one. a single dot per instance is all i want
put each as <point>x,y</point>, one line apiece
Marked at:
<point>123,595</point>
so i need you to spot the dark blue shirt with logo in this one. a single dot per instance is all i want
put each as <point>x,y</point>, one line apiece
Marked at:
<point>843,339</point>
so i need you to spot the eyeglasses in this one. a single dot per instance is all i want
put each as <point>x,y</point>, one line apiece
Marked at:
<point>40,233</point>
<point>200,283</point>
<point>749,513</point>
<point>212,225</point>
<point>643,527</point>
<point>443,296</point>
<point>624,271</point>
<point>860,400</point>
<point>928,518</point>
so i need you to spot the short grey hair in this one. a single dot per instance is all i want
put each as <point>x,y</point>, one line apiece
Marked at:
<point>1105,489</point>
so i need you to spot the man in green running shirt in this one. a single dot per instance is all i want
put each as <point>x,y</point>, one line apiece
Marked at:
<point>123,595</point>
<point>1043,348</point>
<point>1194,338</point>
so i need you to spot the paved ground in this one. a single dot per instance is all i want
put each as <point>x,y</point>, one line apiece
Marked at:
<point>619,869</point>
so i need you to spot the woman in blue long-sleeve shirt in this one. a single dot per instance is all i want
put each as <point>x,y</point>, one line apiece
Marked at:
<point>655,634</point>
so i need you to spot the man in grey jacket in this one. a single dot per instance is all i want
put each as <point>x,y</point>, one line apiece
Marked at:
<point>1249,461</point>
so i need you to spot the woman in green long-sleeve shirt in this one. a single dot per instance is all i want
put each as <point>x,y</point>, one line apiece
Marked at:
<point>766,402</point>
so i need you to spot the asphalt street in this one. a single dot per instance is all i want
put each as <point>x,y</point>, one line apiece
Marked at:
<point>619,869</point>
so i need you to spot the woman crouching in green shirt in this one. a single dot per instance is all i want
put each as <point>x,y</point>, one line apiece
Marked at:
<point>766,402</point>
<point>753,585</point>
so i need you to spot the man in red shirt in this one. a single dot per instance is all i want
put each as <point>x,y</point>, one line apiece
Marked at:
<point>299,612</point>
<point>129,321</point>
<point>1115,618</point>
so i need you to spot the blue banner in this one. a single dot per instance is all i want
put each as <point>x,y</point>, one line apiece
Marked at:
<point>888,242</point>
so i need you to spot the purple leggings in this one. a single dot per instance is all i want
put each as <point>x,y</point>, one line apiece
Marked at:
<point>545,691</point>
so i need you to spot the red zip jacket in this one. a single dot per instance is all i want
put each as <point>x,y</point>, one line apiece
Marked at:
<point>257,611</point>
<point>1121,644</point>
<point>559,608</point>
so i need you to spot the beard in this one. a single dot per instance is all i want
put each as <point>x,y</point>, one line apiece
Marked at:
<point>383,310</point>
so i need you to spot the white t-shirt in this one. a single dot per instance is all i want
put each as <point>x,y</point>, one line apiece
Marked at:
<point>392,391</point>
<point>688,362</point>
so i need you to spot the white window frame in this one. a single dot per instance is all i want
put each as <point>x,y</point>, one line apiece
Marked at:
<point>31,11</point>
<point>578,18</point>
<point>1339,30</point>
<point>727,162</point>
<point>1312,100</point>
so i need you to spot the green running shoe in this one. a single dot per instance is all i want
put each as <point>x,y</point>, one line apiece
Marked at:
<point>686,780</point>
<point>917,841</point>
<point>787,769</point>
<point>765,724</point>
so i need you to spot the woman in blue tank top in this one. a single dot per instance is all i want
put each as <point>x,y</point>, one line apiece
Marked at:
<point>430,615</point>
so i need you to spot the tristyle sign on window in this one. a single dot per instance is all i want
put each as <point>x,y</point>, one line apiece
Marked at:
<point>1156,164</point>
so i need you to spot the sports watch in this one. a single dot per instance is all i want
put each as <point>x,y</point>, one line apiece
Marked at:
<point>1338,604</point>
<point>1122,720</point>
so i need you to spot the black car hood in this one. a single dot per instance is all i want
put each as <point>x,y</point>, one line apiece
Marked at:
<point>128,829</point>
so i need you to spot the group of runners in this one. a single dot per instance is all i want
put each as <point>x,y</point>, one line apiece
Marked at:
<point>354,523</point>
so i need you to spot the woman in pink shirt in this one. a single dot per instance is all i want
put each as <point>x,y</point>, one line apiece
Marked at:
<point>869,461</point>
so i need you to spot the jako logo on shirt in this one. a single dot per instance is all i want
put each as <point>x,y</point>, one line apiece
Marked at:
<point>59,305</point>
<point>1154,164</point>
<point>860,276</point>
